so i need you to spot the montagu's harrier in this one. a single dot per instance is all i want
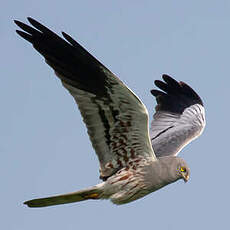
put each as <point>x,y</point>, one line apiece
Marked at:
<point>134,161</point>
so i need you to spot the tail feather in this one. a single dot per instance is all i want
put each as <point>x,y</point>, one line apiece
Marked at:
<point>90,193</point>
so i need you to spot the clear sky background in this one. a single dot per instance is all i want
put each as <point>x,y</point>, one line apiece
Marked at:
<point>44,145</point>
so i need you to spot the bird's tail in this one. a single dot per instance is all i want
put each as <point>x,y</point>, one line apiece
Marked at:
<point>94,192</point>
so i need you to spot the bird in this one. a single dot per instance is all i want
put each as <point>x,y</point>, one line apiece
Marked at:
<point>135,159</point>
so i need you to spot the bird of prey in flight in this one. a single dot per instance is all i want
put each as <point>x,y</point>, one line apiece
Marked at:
<point>134,160</point>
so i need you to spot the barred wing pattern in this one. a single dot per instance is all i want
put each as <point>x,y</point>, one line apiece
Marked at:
<point>179,117</point>
<point>116,119</point>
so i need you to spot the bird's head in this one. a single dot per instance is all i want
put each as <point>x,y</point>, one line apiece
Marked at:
<point>174,168</point>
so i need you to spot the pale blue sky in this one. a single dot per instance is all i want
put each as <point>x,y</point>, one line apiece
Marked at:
<point>44,145</point>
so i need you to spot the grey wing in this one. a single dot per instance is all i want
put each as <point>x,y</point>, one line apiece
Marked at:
<point>179,117</point>
<point>116,119</point>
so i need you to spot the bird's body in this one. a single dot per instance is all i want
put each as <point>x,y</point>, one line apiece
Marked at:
<point>134,181</point>
<point>133,160</point>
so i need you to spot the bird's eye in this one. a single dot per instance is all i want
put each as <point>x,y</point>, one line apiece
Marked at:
<point>182,169</point>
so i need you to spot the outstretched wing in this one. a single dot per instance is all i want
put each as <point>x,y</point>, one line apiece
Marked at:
<point>116,119</point>
<point>179,117</point>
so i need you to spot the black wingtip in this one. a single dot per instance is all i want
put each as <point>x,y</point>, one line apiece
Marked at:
<point>24,35</point>
<point>35,23</point>
<point>171,81</point>
<point>174,96</point>
<point>69,39</point>
<point>191,92</point>
<point>156,92</point>
<point>166,77</point>
<point>29,204</point>
<point>26,203</point>
<point>158,83</point>
<point>31,20</point>
<point>153,92</point>
<point>16,21</point>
